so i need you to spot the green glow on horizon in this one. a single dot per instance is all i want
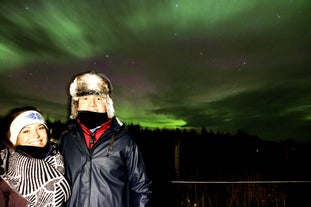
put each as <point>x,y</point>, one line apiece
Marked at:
<point>158,123</point>
<point>147,119</point>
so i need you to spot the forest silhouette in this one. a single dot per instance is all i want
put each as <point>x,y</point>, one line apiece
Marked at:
<point>190,168</point>
<point>173,156</point>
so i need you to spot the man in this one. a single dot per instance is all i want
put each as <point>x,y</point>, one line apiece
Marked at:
<point>103,163</point>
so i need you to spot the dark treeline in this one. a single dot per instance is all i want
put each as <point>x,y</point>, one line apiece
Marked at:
<point>189,155</point>
<point>208,156</point>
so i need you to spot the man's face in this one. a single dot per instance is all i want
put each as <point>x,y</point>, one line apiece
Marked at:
<point>94,103</point>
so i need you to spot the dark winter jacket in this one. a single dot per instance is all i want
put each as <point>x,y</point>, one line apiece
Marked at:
<point>110,174</point>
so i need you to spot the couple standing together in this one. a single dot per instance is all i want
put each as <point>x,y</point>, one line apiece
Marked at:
<point>95,164</point>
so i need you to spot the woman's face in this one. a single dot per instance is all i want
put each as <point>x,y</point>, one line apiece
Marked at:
<point>33,135</point>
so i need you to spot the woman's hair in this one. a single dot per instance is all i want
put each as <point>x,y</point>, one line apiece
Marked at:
<point>6,123</point>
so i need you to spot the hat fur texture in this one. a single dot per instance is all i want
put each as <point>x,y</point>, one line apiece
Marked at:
<point>90,83</point>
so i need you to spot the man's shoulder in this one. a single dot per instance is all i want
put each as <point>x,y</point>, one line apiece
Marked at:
<point>70,126</point>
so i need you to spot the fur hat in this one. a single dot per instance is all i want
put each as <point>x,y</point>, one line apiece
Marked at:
<point>90,83</point>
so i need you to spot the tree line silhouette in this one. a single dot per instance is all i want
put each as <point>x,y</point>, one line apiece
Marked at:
<point>188,155</point>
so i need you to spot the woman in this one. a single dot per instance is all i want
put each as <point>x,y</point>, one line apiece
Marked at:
<point>32,169</point>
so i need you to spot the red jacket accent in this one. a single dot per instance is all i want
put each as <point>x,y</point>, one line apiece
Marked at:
<point>87,133</point>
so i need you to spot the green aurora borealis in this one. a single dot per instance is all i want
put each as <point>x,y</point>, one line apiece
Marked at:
<point>221,64</point>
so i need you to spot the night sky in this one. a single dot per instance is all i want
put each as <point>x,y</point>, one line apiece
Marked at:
<point>220,64</point>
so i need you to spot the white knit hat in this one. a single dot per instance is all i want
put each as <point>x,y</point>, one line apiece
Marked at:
<point>90,83</point>
<point>24,119</point>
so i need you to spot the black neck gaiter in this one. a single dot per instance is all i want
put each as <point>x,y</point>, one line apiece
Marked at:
<point>92,119</point>
<point>32,151</point>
